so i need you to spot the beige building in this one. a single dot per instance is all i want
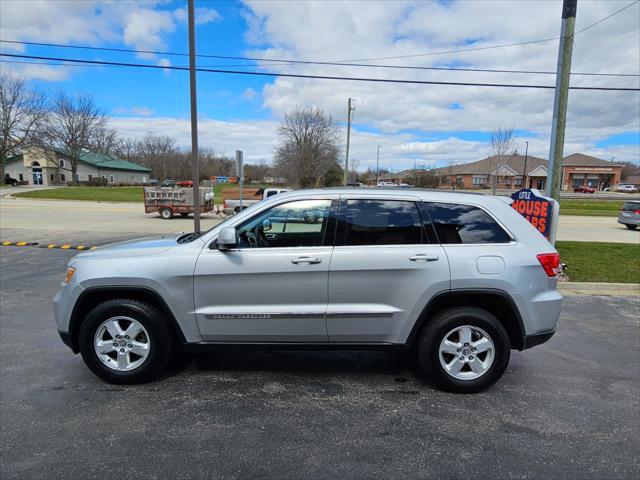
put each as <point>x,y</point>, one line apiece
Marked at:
<point>37,166</point>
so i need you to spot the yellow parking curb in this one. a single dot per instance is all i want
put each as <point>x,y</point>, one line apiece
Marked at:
<point>61,246</point>
<point>19,244</point>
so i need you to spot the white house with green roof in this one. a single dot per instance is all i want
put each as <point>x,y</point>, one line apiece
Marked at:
<point>38,166</point>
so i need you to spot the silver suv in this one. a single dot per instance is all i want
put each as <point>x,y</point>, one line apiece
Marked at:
<point>461,278</point>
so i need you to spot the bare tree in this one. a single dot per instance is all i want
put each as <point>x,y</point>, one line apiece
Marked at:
<point>22,111</point>
<point>106,141</point>
<point>353,169</point>
<point>158,153</point>
<point>501,144</point>
<point>73,126</point>
<point>308,146</point>
<point>424,178</point>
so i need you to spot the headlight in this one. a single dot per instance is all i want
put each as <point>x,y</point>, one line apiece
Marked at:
<point>69,275</point>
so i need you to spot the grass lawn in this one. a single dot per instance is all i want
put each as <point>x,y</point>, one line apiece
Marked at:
<point>601,262</point>
<point>96,194</point>
<point>593,208</point>
<point>109,194</point>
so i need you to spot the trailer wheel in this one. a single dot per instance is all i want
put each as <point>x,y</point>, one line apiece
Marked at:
<point>166,213</point>
<point>184,214</point>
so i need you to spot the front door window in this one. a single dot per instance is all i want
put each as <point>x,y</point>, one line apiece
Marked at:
<point>294,224</point>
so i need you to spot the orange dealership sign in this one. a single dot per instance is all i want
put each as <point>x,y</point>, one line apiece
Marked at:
<point>537,210</point>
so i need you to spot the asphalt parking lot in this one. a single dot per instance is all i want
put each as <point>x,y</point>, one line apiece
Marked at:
<point>569,408</point>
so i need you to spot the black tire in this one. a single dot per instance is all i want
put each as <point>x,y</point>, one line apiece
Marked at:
<point>166,213</point>
<point>184,214</point>
<point>151,318</point>
<point>440,325</point>
<point>630,227</point>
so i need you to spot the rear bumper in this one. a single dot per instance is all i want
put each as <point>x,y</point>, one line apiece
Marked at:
<point>536,339</point>
<point>629,220</point>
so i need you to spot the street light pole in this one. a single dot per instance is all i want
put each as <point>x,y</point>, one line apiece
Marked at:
<point>195,171</point>
<point>378,165</point>
<point>524,174</point>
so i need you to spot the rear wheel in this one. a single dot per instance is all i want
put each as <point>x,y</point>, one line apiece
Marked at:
<point>630,227</point>
<point>184,214</point>
<point>125,341</point>
<point>464,349</point>
<point>166,213</point>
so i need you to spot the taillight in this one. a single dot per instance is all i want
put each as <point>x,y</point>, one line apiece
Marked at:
<point>550,262</point>
<point>224,204</point>
<point>637,212</point>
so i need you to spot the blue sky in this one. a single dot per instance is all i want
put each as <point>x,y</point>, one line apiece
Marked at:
<point>435,125</point>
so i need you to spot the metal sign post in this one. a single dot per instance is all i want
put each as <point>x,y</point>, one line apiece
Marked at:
<point>195,171</point>
<point>240,173</point>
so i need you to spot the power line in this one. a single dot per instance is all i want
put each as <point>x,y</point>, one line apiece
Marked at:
<point>309,62</point>
<point>320,77</point>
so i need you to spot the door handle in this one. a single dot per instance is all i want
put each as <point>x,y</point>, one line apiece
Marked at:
<point>423,257</point>
<point>308,260</point>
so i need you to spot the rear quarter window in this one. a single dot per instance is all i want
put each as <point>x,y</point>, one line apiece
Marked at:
<point>460,224</point>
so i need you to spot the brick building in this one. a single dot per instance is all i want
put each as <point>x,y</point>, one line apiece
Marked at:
<point>510,172</point>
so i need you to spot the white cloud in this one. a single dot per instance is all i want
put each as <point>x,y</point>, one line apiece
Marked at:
<point>249,93</point>
<point>143,28</point>
<point>37,72</point>
<point>141,25</point>
<point>137,111</point>
<point>256,137</point>
<point>202,15</point>
<point>408,28</point>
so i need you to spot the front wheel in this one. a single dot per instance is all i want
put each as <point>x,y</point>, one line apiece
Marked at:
<point>125,341</point>
<point>630,227</point>
<point>464,349</point>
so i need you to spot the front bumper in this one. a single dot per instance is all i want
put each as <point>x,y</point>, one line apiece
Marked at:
<point>63,304</point>
<point>536,339</point>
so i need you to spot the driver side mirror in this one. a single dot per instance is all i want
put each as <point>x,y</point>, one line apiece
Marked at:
<point>266,225</point>
<point>227,239</point>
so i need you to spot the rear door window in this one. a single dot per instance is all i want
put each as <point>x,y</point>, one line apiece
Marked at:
<point>455,224</point>
<point>381,222</point>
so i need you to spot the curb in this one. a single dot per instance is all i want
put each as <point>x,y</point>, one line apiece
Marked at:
<point>19,244</point>
<point>598,288</point>
<point>62,246</point>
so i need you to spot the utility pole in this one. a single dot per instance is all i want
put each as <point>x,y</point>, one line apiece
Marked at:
<point>195,170</point>
<point>346,156</point>
<point>565,50</point>
<point>524,174</point>
<point>377,165</point>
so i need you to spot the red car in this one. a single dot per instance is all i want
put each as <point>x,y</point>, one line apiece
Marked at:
<point>184,183</point>
<point>584,189</point>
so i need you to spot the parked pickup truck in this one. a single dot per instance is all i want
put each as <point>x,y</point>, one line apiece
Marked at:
<point>231,197</point>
